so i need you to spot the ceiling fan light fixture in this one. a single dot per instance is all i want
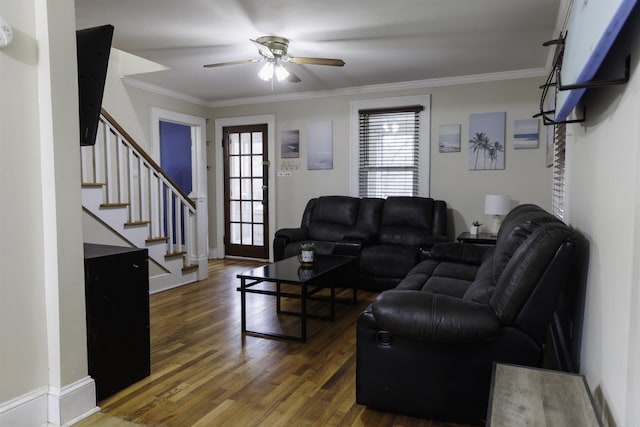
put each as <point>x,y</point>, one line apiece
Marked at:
<point>266,72</point>
<point>273,70</point>
<point>281,72</point>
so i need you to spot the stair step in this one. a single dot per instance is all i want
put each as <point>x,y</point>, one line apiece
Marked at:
<point>174,254</point>
<point>136,223</point>
<point>157,239</point>
<point>188,268</point>
<point>114,205</point>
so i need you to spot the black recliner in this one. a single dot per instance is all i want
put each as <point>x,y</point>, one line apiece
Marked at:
<point>427,347</point>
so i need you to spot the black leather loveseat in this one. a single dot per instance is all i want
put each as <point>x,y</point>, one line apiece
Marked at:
<point>427,347</point>
<point>389,235</point>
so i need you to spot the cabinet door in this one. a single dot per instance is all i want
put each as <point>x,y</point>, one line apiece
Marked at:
<point>117,294</point>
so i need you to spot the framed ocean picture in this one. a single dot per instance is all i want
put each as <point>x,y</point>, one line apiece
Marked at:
<point>525,134</point>
<point>449,138</point>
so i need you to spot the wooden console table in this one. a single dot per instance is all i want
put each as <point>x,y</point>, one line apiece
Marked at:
<point>523,396</point>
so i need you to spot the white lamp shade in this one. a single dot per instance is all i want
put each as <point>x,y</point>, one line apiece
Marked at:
<point>497,204</point>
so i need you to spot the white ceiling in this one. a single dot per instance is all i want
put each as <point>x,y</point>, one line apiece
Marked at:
<point>381,41</point>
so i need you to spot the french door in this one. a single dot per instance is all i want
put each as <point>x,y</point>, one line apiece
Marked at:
<point>246,193</point>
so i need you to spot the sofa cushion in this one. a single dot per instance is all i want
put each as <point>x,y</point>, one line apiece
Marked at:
<point>516,228</point>
<point>333,217</point>
<point>482,288</point>
<point>388,260</point>
<point>341,210</point>
<point>439,278</point>
<point>526,268</point>
<point>369,217</point>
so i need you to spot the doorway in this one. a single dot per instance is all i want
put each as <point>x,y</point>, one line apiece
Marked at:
<point>193,178</point>
<point>246,190</point>
<point>175,154</point>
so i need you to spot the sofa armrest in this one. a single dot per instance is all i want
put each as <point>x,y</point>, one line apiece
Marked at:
<point>425,247</point>
<point>292,234</point>
<point>466,253</point>
<point>434,317</point>
<point>283,237</point>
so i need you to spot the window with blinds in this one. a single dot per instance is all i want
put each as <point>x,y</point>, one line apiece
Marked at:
<point>389,142</point>
<point>559,142</point>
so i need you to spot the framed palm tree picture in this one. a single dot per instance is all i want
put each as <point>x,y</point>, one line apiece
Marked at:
<point>486,141</point>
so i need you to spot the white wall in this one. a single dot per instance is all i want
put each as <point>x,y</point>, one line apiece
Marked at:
<point>526,178</point>
<point>23,334</point>
<point>603,159</point>
<point>42,318</point>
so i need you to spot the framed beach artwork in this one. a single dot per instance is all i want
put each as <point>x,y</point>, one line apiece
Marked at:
<point>449,138</point>
<point>525,134</point>
<point>320,145</point>
<point>486,141</point>
<point>290,144</point>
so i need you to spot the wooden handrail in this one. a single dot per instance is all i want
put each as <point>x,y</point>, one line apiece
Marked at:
<point>145,155</point>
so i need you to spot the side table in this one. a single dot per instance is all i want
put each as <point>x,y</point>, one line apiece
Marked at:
<point>479,239</point>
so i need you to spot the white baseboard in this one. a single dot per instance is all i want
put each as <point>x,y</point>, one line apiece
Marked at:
<point>51,406</point>
<point>73,402</point>
<point>27,410</point>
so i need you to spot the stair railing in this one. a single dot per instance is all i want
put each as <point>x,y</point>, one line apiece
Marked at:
<point>131,178</point>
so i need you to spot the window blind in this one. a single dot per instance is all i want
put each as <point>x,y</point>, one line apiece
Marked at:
<point>559,143</point>
<point>389,151</point>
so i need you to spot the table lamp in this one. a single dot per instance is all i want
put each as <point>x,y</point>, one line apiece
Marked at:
<point>496,205</point>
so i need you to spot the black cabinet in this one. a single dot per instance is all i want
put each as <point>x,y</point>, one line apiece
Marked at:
<point>117,303</point>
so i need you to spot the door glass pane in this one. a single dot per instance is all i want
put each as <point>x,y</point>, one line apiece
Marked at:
<point>234,188</point>
<point>257,142</point>
<point>246,189</point>
<point>234,143</point>
<point>235,211</point>
<point>246,165</point>
<point>257,212</point>
<point>245,141</point>
<point>246,212</point>
<point>257,189</point>
<point>258,235</point>
<point>234,167</point>
<point>257,165</point>
<point>246,234</point>
<point>235,233</point>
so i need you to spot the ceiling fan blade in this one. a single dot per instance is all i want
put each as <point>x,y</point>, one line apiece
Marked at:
<point>293,78</point>
<point>317,61</point>
<point>221,64</point>
<point>264,50</point>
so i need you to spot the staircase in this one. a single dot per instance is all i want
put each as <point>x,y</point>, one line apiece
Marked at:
<point>132,197</point>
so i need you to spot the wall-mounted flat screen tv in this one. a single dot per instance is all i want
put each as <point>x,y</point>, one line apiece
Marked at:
<point>592,28</point>
<point>93,47</point>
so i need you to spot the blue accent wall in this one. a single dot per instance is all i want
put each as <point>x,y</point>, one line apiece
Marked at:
<point>175,153</point>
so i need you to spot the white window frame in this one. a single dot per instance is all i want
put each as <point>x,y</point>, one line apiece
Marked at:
<point>424,144</point>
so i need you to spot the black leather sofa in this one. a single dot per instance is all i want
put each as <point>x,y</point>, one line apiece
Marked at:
<point>427,347</point>
<point>389,235</point>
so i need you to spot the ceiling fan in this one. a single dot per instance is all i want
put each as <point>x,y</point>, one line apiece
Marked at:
<point>274,54</point>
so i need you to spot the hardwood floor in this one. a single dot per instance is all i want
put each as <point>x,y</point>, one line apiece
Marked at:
<point>204,373</point>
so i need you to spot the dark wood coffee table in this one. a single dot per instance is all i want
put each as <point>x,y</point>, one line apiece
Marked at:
<point>327,271</point>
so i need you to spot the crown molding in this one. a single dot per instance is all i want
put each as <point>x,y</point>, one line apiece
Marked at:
<point>357,90</point>
<point>148,87</point>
